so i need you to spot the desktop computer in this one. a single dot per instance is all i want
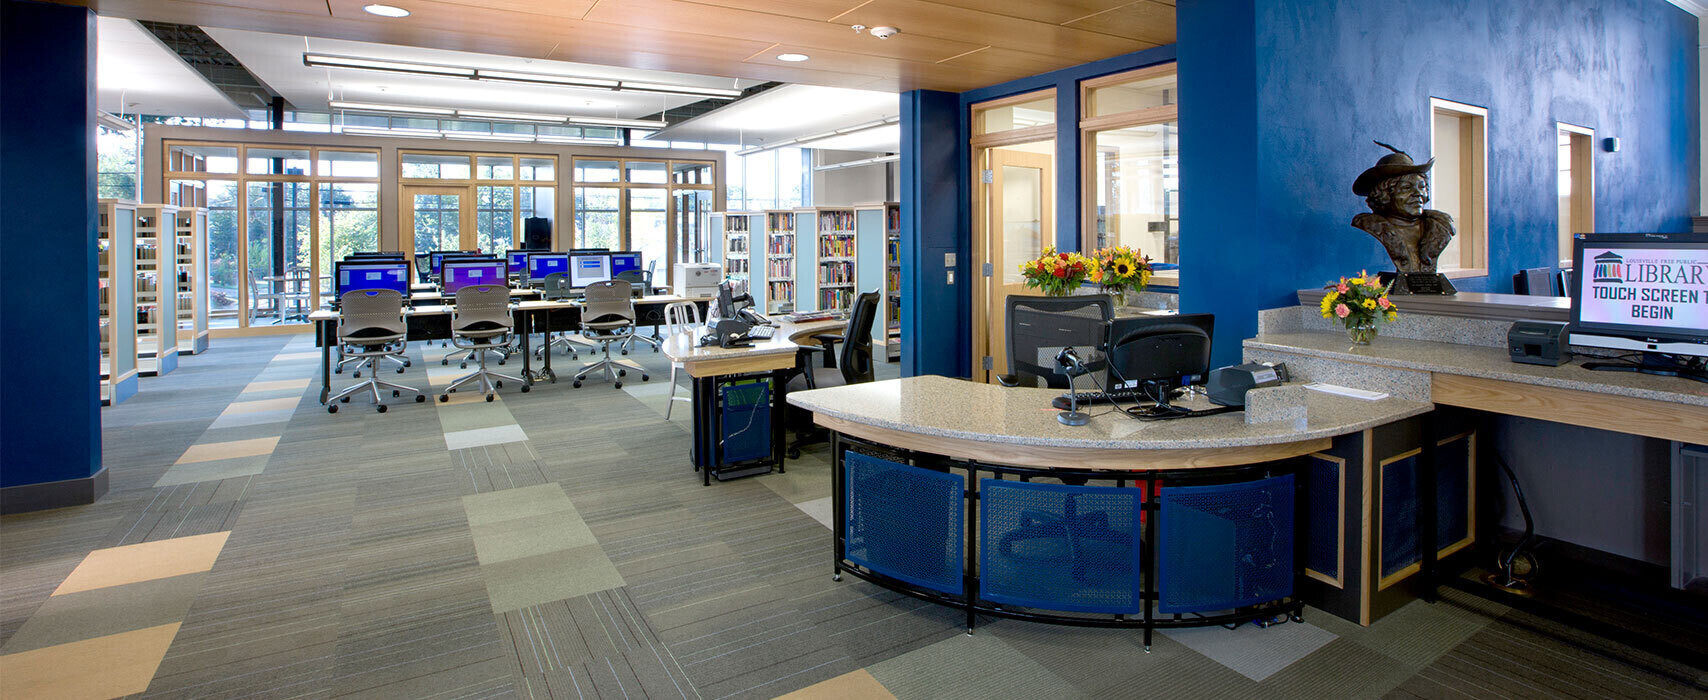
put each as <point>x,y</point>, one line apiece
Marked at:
<point>518,258</point>
<point>541,264</point>
<point>462,273</point>
<point>588,268</point>
<point>1156,355</point>
<point>354,275</point>
<point>1643,292</point>
<point>624,261</point>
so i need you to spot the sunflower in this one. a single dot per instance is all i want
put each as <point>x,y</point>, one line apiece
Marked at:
<point>1123,267</point>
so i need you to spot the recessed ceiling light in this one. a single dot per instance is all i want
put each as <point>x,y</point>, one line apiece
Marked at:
<point>792,57</point>
<point>385,10</point>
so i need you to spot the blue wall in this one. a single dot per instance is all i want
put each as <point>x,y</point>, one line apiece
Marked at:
<point>1280,99</point>
<point>50,427</point>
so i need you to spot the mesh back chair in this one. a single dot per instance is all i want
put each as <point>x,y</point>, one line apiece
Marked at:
<point>555,287</point>
<point>370,327</point>
<point>642,281</point>
<point>1039,327</point>
<point>854,366</point>
<point>607,317</point>
<point>1565,279</point>
<point>480,323</point>
<point>680,318</point>
<point>1536,282</point>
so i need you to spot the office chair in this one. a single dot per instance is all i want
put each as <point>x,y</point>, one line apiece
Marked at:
<point>1039,327</point>
<point>555,287</point>
<point>371,324</point>
<point>1564,279</point>
<point>481,323</point>
<point>1534,282</point>
<point>642,282</point>
<point>854,367</point>
<point>680,319</point>
<point>608,316</point>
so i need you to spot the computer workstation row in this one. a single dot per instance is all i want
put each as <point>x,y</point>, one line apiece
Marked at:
<point>439,274</point>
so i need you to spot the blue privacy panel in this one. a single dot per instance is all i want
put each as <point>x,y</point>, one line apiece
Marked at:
<point>746,420</point>
<point>1225,546</point>
<point>905,522</point>
<point>1322,515</point>
<point>1072,548</point>
<point>1399,505</point>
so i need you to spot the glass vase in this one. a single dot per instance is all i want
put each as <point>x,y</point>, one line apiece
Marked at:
<point>1362,332</point>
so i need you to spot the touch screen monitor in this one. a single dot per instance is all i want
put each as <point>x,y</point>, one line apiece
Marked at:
<point>587,268</point>
<point>624,261</point>
<point>462,273</point>
<point>542,264</point>
<point>1646,292</point>
<point>354,275</point>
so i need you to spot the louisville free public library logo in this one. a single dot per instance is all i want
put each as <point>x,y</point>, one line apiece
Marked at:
<point>1609,268</point>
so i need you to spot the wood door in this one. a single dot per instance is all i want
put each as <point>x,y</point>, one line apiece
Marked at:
<point>436,217</point>
<point>1020,211</point>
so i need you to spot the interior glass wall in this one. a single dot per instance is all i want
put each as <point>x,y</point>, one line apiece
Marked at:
<point>1131,134</point>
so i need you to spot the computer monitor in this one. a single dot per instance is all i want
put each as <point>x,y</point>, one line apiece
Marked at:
<point>542,264</point>
<point>352,275</point>
<point>436,258</point>
<point>623,261</point>
<point>375,254</point>
<point>587,268</point>
<point>1644,292</point>
<point>1160,353</point>
<point>519,258</point>
<point>466,257</point>
<point>462,273</point>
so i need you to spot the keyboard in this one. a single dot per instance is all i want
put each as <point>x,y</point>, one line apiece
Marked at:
<point>762,332</point>
<point>1092,398</point>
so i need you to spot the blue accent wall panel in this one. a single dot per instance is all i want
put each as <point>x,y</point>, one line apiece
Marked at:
<point>50,427</point>
<point>936,316</point>
<point>1280,100</point>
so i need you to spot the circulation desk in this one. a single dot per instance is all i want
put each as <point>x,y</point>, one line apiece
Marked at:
<point>1178,523</point>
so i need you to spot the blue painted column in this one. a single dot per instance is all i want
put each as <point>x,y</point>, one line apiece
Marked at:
<point>50,423</point>
<point>936,312</point>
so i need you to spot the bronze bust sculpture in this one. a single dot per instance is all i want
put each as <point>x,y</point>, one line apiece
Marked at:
<point>1395,190</point>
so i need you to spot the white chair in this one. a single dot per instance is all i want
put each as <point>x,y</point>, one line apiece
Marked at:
<point>680,318</point>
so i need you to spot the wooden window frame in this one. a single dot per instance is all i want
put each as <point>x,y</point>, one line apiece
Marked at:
<point>1583,185</point>
<point>474,181</point>
<point>670,186</point>
<point>1090,127</point>
<point>1472,226</point>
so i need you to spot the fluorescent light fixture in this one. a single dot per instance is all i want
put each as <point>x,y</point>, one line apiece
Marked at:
<point>511,76</point>
<point>403,133</point>
<point>792,57</point>
<point>490,137</point>
<point>543,138</point>
<point>405,109</point>
<point>803,140</point>
<point>631,123</point>
<point>385,10</point>
<point>678,89</point>
<point>858,163</point>
<point>510,116</point>
<point>320,60</point>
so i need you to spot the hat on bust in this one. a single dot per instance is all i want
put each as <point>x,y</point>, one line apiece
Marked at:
<point>1396,163</point>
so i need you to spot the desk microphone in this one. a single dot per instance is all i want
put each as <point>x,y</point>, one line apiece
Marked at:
<point>1068,362</point>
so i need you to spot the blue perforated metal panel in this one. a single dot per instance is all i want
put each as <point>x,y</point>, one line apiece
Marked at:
<point>1322,516</point>
<point>1225,546</point>
<point>905,522</point>
<point>746,419</point>
<point>1073,548</point>
<point>1399,505</point>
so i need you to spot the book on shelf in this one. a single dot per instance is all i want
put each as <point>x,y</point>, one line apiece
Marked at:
<point>836,273</point>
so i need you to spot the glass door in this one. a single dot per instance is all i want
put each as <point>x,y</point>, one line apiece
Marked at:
<point>1020,216</point>
<point>437,217</point>
<point>278,248</point>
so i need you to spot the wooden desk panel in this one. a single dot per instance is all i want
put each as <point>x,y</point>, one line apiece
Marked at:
<point>1623,414</point>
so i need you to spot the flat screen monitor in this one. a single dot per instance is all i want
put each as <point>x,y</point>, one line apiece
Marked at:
<point>462,273</point>
<point>519,258</point>
<point>355,275</point>
<point>437,258</point>
<point>542,264</point>
<point>587,268</point>
<point>1171,350</point>
<point>623,261</point>
<point>388,254</point>
<point>1646,292</point>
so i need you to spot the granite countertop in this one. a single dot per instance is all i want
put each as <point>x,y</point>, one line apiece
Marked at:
<point>1482,362</point>
<point>944,407</point>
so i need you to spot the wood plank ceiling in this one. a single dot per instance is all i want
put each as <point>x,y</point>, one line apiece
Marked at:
<point>952,45</point>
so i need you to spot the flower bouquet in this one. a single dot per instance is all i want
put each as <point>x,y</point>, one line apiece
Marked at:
<point>1123,270</point>
<point>1059,274</point>
<point>1359,302</point>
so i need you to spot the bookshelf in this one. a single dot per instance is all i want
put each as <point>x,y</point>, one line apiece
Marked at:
<point>779,262</point>
<point>156,320</point>
<point>892,281</point>
<point>116,298</point>
<point>191,274</point>
<point>837,257</point>
<point>736,241</point>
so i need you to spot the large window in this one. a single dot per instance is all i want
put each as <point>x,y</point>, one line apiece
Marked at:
<point>504,190</point>
<point>117,163</point>
<point>630,204</point>
<point>1132,184</point>
<point>1458,184</point>
<point>1577,186</point>
<point>278,217</point>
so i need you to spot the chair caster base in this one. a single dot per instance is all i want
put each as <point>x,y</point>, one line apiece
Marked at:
<point>419,398</point>
<point>836,577</point>
<point>443,398</point>
<point>577,384</point>
<point>380,408</point>
<point>332,409</point>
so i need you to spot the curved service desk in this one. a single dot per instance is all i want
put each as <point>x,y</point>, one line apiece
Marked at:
<point>1178,523</point>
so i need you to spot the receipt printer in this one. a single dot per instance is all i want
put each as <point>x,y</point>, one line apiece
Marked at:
<point>698,279</point>
<point>1538,343</point>
<point>1227,386</point>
